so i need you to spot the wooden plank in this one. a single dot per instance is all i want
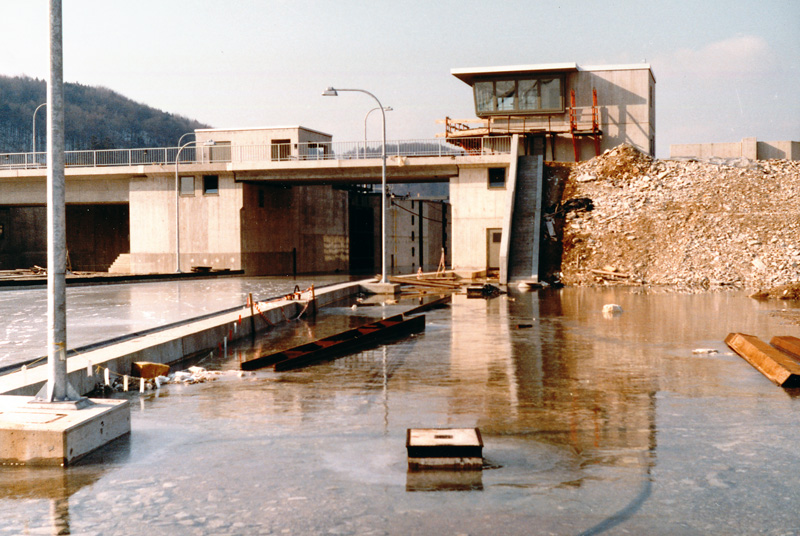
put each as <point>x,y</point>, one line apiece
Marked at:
<point>771,362</point>
<point>788,345</point>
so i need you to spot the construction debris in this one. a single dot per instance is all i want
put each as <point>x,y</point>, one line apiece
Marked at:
<point>781,368</point>
<point>688,225</point>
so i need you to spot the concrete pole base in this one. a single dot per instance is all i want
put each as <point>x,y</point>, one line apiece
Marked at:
<point>33,432</point>
<point>381,288</point>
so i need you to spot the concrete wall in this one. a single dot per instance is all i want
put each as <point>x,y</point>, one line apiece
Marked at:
<point>23,243</point>
<point>288,229</point>
<point>475,208</point>
<point>747,148</point>
<point>209,225</point>
<point>15,191</point>
<point>96,235</point>
<point>626,99</point>
<point>415,241</point>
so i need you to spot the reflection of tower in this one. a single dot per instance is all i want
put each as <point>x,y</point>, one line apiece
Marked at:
<point>480,358</point>
<point>531,364</point>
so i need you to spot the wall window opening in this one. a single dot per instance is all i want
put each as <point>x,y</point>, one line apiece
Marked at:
<point>210,184</point>
<point>497,177</point>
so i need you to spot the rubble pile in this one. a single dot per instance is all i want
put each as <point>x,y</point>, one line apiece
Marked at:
<point>686,224</point>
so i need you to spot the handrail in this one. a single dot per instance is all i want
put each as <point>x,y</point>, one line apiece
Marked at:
<point>322,150</point>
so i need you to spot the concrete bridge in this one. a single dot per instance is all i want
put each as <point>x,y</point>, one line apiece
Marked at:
<point>281,204</point>
<point>102,176</point>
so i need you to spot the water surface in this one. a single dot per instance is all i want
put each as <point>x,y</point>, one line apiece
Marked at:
<point>591,425</point>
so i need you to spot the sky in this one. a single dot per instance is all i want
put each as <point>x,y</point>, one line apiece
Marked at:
<point>724,70</point>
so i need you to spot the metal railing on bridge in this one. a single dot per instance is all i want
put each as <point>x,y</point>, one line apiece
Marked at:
<point>276,152</point>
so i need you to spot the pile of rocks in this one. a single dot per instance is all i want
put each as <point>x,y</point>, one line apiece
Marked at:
<point>687,224</point>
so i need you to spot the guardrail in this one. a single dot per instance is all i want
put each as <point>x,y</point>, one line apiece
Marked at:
<point>282,152</point>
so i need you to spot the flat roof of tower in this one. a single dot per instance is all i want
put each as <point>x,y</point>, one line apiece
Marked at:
<point>468,75</point>
<point>239,129</point>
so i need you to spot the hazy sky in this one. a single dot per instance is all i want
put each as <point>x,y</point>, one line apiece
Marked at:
<point>724,69</point>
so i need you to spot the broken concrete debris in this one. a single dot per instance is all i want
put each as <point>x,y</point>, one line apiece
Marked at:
<point>685,224</point>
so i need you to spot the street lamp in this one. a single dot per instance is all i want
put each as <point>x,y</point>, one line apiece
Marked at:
<point>184,135</point>
<point>388,109</point>
<point>177,202</point>
<point>331,92</point>
<point>34,129</point>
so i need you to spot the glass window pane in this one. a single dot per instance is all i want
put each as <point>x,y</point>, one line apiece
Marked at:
<point>484,97</point>
<point>506,92</point>
<point>551,94</point>
<point>187,185</point>
<point>529,98</point>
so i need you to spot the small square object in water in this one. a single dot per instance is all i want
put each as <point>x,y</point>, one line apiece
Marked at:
<point>444,448</point>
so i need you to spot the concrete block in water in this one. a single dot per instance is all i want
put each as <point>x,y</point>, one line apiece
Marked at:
<point>444,448</point>
<point>35,433</point>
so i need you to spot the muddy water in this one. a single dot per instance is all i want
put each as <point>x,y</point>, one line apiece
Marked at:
<point>591,425</point>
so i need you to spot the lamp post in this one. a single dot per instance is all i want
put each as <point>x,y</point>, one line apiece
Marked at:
<point>331,92</point>
<point>34,130</point>
<point>388,109</point>
<point>184,135</point>
<point>177,201</point>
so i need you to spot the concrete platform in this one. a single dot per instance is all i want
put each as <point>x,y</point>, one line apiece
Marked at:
<point>33,433</point>
<point>170,344</point>
<point>381,288</point>
<point>444,448</point>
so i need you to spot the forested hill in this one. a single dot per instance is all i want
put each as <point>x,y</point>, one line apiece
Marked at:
<point>95,118</point>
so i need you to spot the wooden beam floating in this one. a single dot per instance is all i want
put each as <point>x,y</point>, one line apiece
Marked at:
<point>780,367</point>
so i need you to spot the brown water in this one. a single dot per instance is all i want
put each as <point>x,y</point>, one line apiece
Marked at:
<point>591,425</point>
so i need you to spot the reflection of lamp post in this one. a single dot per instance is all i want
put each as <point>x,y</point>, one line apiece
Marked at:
<point>34,129</point>
<point>177,202</point>
<point>388,109</point>
<point>331,92</point>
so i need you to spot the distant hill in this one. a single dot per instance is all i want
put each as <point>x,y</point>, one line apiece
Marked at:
<point>95,118</point>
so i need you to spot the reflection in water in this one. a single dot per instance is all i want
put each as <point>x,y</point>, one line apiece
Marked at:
<point>591,425</point>
<point>58,484</point>
<point>433,480</point>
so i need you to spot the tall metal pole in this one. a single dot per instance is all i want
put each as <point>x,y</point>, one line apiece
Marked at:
<point>332,92</point>
<point>177,202</point>
<point>178,208</point>
<point>34,130</point>
<point>383,196</point>
<point>56,220</point>
<point>388,109</point>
